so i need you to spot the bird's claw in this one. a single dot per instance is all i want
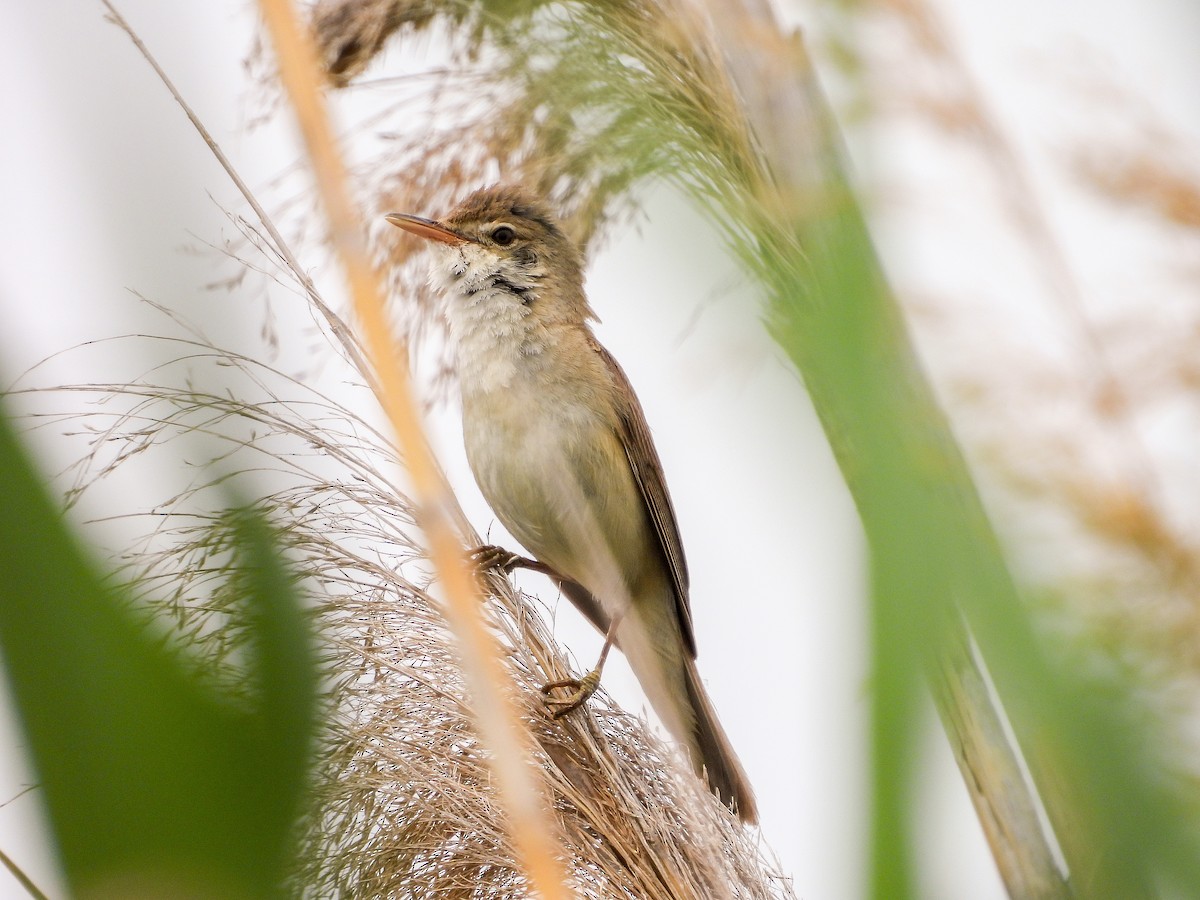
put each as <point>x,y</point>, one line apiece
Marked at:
<point>491,557</point>
<point>582,689</point>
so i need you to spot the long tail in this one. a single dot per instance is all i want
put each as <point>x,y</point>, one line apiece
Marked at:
<point>712,754</point>
<point>651,640</point>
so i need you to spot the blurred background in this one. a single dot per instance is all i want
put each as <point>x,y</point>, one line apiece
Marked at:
<point>1031,174</point>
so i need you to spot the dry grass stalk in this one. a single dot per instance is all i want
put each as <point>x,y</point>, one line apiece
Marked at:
<point>495,710</point>
<point>405,803</point>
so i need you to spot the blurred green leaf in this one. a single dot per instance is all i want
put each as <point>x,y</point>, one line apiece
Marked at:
<point>156,783</point>
<point>934,558</point>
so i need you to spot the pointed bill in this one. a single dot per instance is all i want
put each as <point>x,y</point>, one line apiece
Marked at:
<point>426,228</point>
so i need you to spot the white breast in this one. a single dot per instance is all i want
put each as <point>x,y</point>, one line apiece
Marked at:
<point>495,334</point>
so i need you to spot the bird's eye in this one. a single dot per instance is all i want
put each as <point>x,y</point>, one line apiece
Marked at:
<point>503,235</point>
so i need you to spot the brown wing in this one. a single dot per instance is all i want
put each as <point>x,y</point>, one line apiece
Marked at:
<point>648,473</point>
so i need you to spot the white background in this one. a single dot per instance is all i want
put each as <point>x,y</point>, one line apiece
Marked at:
<point>99,191</point>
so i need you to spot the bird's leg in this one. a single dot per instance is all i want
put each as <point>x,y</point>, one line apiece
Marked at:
<point>582,688</point>
<point>490,556</point>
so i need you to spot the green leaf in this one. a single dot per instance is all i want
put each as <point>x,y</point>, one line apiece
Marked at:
<point>156,783</point>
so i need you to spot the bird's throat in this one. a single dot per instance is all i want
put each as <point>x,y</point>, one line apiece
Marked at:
<point>497,337</point>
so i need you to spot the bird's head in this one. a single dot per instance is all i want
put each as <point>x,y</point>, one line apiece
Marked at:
<point>501,246</point>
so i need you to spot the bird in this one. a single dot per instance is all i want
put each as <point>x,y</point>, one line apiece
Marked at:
<point>561,450</point>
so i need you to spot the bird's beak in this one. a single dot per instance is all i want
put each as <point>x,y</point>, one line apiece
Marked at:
<point>426,228</point>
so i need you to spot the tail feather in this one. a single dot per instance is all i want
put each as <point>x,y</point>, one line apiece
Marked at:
<point>713,756</point>
<point>651,641</point>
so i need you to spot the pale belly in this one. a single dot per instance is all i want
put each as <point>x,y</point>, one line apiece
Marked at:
<point>558,479</point>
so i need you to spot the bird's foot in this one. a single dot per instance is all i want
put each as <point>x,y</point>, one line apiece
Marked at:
<point>490,557</point>
<point>582,689</point>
